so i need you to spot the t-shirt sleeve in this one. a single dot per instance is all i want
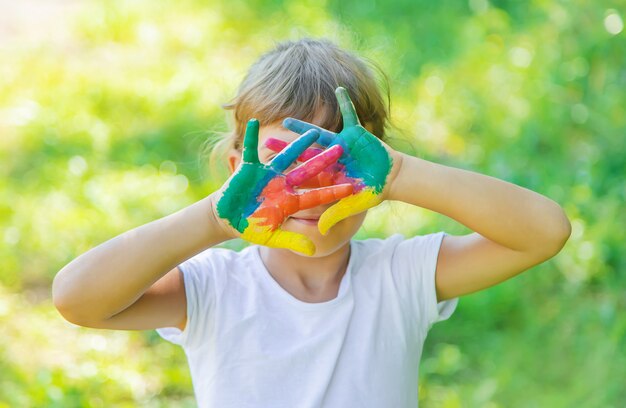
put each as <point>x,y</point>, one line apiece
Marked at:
<point>415,261</point>
<point>200,293</point>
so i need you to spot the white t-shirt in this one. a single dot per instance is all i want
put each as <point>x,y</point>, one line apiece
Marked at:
<point>250,343</point>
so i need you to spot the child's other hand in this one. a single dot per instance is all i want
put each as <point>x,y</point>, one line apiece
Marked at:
<point>259,197</point>
<point>365,158</point>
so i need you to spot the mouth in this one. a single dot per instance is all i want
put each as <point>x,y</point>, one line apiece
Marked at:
<point>307,220</point>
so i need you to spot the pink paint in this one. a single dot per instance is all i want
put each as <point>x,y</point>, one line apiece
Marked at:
<point>314,166</point>
<point>332,174</point>
<point>278,145</point>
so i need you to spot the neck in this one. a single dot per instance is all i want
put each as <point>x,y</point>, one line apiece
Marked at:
<point>306,277</point>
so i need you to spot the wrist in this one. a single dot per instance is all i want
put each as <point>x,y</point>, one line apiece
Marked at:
<point>397,161</point>
<point>218,224</point>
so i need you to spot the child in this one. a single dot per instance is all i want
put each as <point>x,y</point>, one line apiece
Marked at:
<point>306,316</point>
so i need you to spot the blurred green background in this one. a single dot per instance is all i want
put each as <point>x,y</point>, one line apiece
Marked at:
<point>105,107</point>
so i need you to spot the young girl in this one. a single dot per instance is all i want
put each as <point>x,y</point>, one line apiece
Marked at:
<point>307,316</point>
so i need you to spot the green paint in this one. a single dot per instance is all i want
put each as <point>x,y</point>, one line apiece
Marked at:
<point>251,142</point>
<point>368,159</point>
<point>240,198</point>
<point>350,118</point>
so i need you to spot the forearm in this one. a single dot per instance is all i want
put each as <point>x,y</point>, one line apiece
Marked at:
<point>112,276</point>
<point>505,213</point>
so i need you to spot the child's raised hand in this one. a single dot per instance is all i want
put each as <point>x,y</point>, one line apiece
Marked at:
<point>365,158</point>
<point>259,197</point>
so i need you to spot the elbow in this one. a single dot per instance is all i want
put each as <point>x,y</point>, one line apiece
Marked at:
<point>69,315</point>
<point>62,301</point>
<point>564,230</point>
<point>558,234</point>
<point>67,303</point>
<point>73,315</point>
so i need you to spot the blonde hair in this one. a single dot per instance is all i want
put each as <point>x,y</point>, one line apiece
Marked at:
<point>298,79</point>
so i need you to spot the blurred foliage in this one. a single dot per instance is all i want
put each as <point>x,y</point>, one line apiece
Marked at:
<point>104,108</point>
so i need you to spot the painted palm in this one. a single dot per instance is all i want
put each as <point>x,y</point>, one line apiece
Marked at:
<point>365,162</point>
<point>259,197</point>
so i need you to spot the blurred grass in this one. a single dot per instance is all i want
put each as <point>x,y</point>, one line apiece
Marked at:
<point>104,107</point>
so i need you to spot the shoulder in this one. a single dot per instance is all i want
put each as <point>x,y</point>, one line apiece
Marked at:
<point>214,265</point>
<point>210,258</point>
<point>398,245</point>
<point>373,246</point>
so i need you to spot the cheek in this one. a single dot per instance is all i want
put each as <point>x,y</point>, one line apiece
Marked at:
<point>349,226</point>
<point>357,220</point>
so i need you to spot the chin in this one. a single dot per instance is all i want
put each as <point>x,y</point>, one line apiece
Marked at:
<point>338,236</point>
<point>321,250</point>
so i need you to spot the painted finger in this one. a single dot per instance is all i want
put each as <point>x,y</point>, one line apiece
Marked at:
<point>251,141</point>
<point>347,207</point>
<point>264,235</point>
<point>299,126</point>
<point>278,145</point>
<point>346,106</point>
<point>332,175</point>
<point>284,159</point>
<point>271,216</point>
<point>323,195</point>
<point>314,165</point>
<point>291,240</point>
<point>324,179</point>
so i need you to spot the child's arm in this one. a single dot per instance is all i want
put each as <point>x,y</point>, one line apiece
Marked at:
<point>515,228</point>
<point>124,283</point>
<point>107,287</point>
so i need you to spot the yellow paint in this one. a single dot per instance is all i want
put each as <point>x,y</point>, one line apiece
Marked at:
<point>264,235</point>
<point>346,207</point>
